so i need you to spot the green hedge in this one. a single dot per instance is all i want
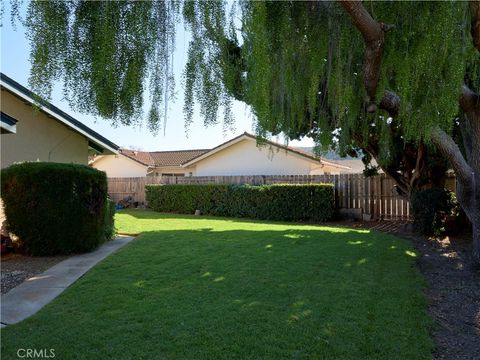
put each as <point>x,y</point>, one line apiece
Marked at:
<point>268,202</point>
<point>57,208</point>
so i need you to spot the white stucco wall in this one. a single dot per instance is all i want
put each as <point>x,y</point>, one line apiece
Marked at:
<point>245,158</point>
<point>120,166</point>
<point>173,170</point>
<point>38,136</point>
<point>325,169</point>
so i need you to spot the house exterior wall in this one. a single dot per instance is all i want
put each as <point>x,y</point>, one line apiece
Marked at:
<point>181,171</point>
<point>245,158</point>
<point>120,166</point>
<point>325,169</point>
<point>38,136</point>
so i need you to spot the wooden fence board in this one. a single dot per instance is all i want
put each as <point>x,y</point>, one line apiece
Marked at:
<point>375,195</point>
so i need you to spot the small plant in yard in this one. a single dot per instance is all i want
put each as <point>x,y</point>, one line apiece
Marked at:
<point>431,208</point>
<point>57,208</point>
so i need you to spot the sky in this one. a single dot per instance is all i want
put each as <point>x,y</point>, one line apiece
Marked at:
<point>15,63</point>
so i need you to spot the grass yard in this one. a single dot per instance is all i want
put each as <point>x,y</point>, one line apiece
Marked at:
<point>208,288</point>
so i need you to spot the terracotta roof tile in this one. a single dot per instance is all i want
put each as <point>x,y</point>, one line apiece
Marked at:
<point>143,157</point>
<point>175,158</point>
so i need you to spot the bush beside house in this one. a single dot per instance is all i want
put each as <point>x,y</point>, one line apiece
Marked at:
<point>57,208</point>
<point>268,202</point>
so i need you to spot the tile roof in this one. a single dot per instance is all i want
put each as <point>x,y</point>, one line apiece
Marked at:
<point>175,158</point>
<point>162,158</point>
<point>143,157</point>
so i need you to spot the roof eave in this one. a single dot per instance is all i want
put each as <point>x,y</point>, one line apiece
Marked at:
<point>25,94</point>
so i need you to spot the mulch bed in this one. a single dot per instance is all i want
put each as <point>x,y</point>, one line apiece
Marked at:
<point>453,295</point>
<point>16,268</point>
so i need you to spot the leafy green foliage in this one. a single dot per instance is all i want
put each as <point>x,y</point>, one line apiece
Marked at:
<point>425,62</point>
<point>57,208</point>
<point>431,207</point>
<point>212,288</point>
<point>271,202</point>
<point>305,68</point>
<point>104,52</point>
<point>109,227</point>
<point>299,64</point>
<point>208,72</point>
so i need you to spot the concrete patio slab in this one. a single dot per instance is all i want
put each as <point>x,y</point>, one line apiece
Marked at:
<point>33,294</point>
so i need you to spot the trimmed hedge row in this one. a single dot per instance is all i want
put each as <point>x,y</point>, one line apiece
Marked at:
<point>268,202</point>
<point>57,208</point>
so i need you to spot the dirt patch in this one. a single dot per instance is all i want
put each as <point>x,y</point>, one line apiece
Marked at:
<point>16,268</point>
<point>453,291</point>
<point>453,295</point>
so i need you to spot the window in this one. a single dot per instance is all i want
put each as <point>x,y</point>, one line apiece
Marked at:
<point>173,174</point>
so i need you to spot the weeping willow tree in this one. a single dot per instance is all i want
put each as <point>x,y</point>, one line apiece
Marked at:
<point>399,81</point>
<point>108,54</point>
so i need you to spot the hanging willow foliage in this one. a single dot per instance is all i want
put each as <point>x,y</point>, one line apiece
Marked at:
<point>305,67</point>
<point>105,52</point>
<point>298,64</point>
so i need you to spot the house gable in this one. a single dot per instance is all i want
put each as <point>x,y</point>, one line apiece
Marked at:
<point>120,166</point>
<point>38,138</point>
<point>95,141</point>
<point>242,156</point>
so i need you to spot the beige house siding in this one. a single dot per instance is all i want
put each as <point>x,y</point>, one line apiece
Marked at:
<point>176,170</point>
<point>246,158</point>
<point>325,170</point>
<point>39,137</point>
<point>120,166</point>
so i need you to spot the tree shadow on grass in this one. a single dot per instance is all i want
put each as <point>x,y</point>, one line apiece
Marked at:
<point>374,256</point>
<point>143,214</point>
<point>244,293</point>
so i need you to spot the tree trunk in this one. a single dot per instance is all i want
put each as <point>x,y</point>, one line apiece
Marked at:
<point>467,168</point>
<point>467,171</point>
<point>469,199</point>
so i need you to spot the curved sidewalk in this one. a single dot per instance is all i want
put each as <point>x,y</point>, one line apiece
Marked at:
<point>29,297</point>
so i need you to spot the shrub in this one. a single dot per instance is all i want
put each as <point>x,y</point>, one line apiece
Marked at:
<point>57,208</point>
<point>269,202</point>
<point>430,209</point>
<point>109,228</point>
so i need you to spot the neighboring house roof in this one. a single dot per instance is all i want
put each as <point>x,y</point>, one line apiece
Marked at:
<point>162,158</point>
<point>175,158</point>
<point>142,157</point>
<point>96,141</point>
<point>308,156</point>
<point>8,124</point>
<point>356,165</point>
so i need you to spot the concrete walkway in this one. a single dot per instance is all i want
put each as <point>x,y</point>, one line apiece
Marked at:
<point>33,294</point>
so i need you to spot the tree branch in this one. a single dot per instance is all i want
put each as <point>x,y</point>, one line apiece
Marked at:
<point>475,28</point>
<point>390,102</point>
<point>419,164</point>
<point>469,100</point>
<point>451,151</point>
<point>373,35</point>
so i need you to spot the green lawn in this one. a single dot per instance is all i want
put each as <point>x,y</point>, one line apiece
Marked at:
<point>206,288</point>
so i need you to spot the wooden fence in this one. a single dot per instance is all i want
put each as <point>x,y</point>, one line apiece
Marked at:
<point>370,198</point>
